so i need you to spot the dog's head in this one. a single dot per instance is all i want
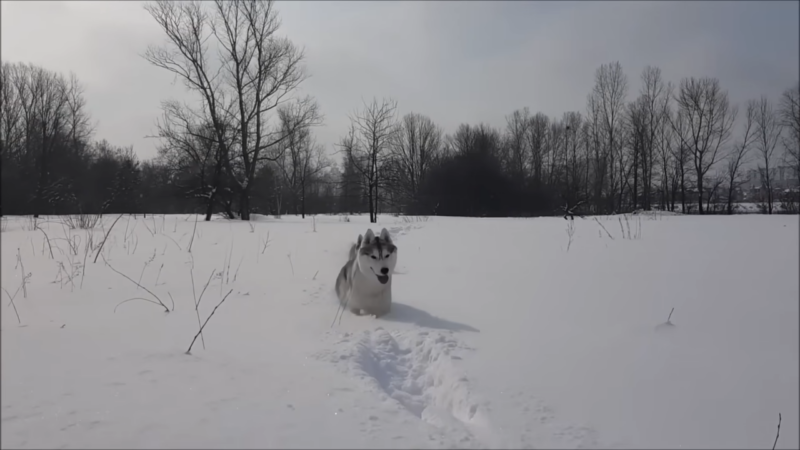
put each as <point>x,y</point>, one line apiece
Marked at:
<point>377,255</point>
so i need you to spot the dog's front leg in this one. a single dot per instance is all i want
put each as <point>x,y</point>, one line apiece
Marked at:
<point>348,296</point>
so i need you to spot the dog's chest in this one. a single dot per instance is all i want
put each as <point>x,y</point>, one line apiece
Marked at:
<point>367,284</point>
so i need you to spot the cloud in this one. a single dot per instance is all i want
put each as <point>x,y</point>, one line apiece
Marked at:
<point>454,61</point>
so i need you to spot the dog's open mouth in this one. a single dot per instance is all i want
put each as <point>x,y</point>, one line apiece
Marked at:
<point>383,278</point>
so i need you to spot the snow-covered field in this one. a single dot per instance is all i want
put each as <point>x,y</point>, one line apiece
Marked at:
<point>499,336</point>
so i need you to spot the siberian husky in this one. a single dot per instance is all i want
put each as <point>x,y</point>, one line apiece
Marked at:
<point>364,285</point>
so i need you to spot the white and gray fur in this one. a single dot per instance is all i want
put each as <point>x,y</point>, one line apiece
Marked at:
<point>364,285</point>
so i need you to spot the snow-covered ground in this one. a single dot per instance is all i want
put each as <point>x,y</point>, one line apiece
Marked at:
<point>500,336</point>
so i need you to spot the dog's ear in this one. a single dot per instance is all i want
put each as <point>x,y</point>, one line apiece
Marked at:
<point>358,241</point>
<point>385,236</point>
<point>369,236</point>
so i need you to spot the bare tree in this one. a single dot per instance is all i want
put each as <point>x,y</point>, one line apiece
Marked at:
<point>655,94</point>
<point>353,182</point>
<point>790,115</point>
<point>768,134</point>
<point>715,182</point>
<point>78,126</point>
<point>314,163</point>
<point>738,155</point>
<point>301,159</point>
<point>12,131</point>
<point>606,110</point>
<point>518,156</point>
<point>704,123</point>
<point>638,134</point>
<point>42,116</point>
<point>598,151</point>
<point>416,146</point>
<point>574,180</point>
<point>536,137</point>
<point>555,151</point>
<point>256,72</point>
<point>373,133</point>
<point>189,144</point>
<point>681,154</point>
<point>49,102</point>
<point>664,144</point>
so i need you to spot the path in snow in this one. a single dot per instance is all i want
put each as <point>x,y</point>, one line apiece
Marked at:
<point>416,372</point>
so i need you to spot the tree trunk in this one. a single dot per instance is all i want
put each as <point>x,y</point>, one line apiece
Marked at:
<point>635,179</point>
<point>709,199</point>
<point>210,206</point>
<point>376,202</point>
<point>769,195</point>
<point>647,167</point>
<point>303,198</point>
<point>673,192</point>
<point>244,203</point>
<point>38,201</point>
<point>730,199</point>
<point>683,191</point>
<point>371,204</point>
<point>699,192</point>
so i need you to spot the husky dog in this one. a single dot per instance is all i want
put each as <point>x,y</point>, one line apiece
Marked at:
<point>364,284</point>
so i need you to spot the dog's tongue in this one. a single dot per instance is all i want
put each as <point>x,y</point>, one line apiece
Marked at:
<point>383,278</point>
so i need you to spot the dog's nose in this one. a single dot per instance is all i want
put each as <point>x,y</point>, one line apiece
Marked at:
<point>384,270</point>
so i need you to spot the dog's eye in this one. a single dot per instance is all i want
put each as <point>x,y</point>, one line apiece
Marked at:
<point>374,257</point>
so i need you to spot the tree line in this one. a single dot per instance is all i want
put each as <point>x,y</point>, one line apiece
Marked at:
<point>247,144</point>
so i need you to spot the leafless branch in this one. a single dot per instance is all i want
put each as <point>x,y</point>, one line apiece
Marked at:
<point>189,351</point>
<point>778,434</point>
<point>100,249</point>
<point>11,299</point>
<point>137,284</point>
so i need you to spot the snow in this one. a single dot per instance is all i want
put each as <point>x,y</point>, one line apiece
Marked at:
<point>499,337</point>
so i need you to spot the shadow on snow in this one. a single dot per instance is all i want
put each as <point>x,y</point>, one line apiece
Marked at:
<point>408,314</point>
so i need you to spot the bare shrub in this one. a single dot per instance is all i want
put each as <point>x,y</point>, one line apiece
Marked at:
<point>81,221</point>
<point>146,263</point>
<point>157,299</point>
<point>11,301</point>
<point>49,245</point>
<point>626,230</point>
<point>194,230</point>
<point>266,244</point>
<point>68,276</point>
<point>778,434</point>
<point>152,232</point>
<point>189,351</point>
<point>413,219</point>
<point>31,224</point>
<point>790,201</point>
<point>89,246</point>
<point>604,228</point>
<point>159,274</point>
<point>570,232</point>
<point>290,262</point>
<point>197,303</point>
<point>105,238</point>
<point>25,277</point>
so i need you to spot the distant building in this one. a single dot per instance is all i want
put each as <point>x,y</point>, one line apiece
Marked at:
<point>783,178</point>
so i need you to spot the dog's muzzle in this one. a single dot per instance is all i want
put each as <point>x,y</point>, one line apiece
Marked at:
<point>383,278</point>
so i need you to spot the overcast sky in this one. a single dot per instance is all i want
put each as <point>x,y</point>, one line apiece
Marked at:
<point>457,62</point>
